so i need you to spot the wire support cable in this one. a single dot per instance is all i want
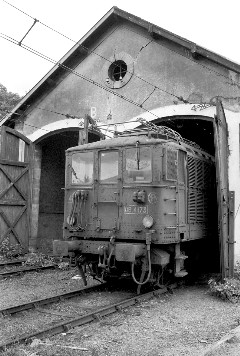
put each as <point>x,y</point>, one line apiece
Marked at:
<point>40,22</point>
<point>215,72</point>
<point>63,66</point>
<point>61,134</point>
<point>34,23</point>
<point>95,126</point>
<point>180,98</point>
<point>237,212</point>
<point>143,121</point>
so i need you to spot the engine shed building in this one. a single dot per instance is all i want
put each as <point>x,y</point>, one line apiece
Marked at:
<point>122,69</point>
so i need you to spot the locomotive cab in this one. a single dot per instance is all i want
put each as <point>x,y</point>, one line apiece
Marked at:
<point>134,205</point>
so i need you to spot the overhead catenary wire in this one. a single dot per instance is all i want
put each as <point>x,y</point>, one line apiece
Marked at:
<point>67,116</point>
<point>190,58</point>
<point>61,65</point>
<point>73,117</point>
<point>92,51</point>
<point>61,134</point>
<point>79,74</point>
<point>25,13</point>
<point>81,118</point>
<point>237,212</point>
<point>180,98</point>
<point>84,77</point>
<point>41,55</point>
<point>101,126</point>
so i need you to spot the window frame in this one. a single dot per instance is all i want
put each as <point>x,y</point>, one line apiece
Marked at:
<point>125,165</point>
<point>99,166</point>
<point>70,168</point>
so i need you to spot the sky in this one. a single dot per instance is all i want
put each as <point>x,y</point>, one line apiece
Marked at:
<point>213,24</point>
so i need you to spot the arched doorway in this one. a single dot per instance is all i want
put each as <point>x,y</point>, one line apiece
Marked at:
<point>52,182</point>
<point>208,127</point>
<point>200,131</point>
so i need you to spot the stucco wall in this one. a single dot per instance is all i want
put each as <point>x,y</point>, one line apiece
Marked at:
<point>234,173</point>
<point>160,75</point>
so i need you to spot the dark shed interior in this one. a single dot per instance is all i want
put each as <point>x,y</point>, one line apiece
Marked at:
<point>51,200</point>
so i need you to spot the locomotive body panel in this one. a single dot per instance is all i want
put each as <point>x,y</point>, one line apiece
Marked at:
<point>175,192</point>
<point>124,195</point>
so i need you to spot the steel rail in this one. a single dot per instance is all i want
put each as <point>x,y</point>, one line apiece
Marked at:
<point>96,315</point>
<point>45,301</point>
<point>12,263</point>
<point>25,269</point>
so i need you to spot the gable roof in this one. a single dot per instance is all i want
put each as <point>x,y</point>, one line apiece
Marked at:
<point>114,15</point>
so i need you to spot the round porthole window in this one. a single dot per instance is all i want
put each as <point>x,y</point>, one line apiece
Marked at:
<point>119,71</point>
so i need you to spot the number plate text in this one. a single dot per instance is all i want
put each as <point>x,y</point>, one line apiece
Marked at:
<point>133,209</point>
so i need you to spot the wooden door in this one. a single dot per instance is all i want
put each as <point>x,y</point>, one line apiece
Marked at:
<point>221,155</point>
<point>15,188</point>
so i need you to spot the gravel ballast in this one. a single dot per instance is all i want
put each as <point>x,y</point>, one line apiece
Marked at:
<point>186,322</point>
<point>36,285</point>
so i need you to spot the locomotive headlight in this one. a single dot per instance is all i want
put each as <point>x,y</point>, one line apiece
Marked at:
<point>148,221</point>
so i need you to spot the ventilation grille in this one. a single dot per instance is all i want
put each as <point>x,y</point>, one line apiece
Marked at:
<point>172,164</point>
<point>199,192</point>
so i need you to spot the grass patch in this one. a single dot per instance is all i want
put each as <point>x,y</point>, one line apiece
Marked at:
<point>229,288</point>
<point>9,251</point>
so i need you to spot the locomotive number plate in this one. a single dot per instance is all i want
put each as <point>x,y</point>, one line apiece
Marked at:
<point>133,209</point>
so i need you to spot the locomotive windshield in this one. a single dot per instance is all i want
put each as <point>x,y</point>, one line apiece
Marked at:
<point>82,168</point>
<point>138,165</point>
<point>109,167</point>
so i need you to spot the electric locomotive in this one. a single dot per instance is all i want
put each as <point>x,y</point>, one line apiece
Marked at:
<point>135,203</point>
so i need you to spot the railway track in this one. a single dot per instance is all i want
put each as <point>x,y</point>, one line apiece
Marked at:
<point>24,270</point>
<point>71,322</point>
<point>12,263</point>
<point>46,301</point>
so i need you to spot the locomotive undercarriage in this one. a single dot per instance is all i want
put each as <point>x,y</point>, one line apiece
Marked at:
<point>145,264</point>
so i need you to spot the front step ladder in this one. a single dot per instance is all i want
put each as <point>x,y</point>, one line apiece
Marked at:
<point>179,272</point>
